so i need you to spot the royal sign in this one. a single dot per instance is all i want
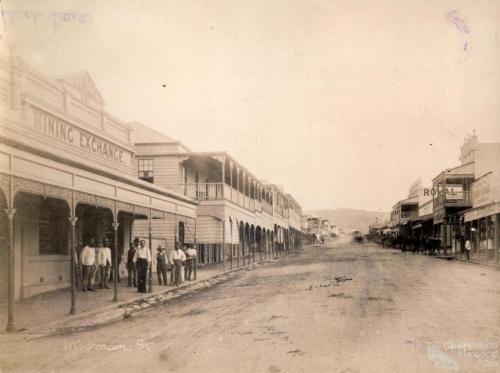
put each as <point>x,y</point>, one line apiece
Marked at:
<point>451,192</point>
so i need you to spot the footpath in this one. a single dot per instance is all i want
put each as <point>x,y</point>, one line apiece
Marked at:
<point>48,313</point>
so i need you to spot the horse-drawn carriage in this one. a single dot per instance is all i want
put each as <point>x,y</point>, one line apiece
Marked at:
<point>428,245</point>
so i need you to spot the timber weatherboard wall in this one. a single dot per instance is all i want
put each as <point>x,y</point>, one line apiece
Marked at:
<point>40,158</point>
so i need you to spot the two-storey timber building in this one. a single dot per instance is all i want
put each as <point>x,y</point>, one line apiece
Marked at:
<point>239,217</point>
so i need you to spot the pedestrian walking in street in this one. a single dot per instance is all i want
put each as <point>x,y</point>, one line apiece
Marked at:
<point>87,258</point>
<point>192,256</point>
<point>161,266</point>
<point>142,259</point>
<point>131,266</point>
<point>104,262</point>
<point>467,248</point>
<point>176,258</point>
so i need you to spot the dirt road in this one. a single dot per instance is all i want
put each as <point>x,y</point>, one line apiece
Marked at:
<point>344,308</point>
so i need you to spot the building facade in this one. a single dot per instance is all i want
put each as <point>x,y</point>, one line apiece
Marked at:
<point>71,172</point>
<point>239,217</point>
<point>462,204</point>
<point>67,174</point>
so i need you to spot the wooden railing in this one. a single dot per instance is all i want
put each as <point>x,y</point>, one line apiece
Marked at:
<point>219,191</point>
<point>202,191</point>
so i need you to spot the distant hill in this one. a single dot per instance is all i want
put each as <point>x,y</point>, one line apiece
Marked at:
<point>350,219</point>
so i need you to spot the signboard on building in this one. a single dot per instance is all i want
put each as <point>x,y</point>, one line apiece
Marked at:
<point>453,192</point>
<point>482,190</point>
<point>483,211</point>
<point>69,134</point>
<point>426,208</point>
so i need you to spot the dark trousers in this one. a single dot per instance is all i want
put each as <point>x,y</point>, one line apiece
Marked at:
<point>467,253</point>
<point>142,271</point>
<point>132,274</point>
<point>161,271</point>
<point>177,269</point>
<point>189,268</point>
<point>87,277</point>
<point>104,276</point>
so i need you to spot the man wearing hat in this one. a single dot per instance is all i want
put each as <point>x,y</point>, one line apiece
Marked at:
<point>161,266</point>
<point>142,258</point>
<point>131,268</point>
<point>104,262</point>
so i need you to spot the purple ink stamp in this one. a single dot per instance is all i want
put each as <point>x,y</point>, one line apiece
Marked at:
<point>458,20</point>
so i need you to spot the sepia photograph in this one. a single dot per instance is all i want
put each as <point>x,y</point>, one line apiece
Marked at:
<point>271,186</point>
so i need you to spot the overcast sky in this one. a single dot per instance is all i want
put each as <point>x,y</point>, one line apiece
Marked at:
<point>345,103</point>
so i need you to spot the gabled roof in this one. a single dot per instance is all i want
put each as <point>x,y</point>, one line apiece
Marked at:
<point>83,82</point>
<point>143,135</point>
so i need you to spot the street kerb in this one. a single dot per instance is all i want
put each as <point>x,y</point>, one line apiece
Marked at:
<point>131,307</point>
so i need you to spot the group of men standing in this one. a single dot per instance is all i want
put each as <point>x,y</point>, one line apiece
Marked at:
<point>95,259</point>
<point>139,260</point>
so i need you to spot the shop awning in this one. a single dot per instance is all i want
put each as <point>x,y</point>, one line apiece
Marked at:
<point>426,217</point>
<point>482,212</point>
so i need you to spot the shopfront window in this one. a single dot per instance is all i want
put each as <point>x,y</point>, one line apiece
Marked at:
<point>53,227</point>
<point>146,170</point>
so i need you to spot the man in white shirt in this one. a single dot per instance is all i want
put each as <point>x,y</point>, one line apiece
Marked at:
<point>142,258</point>
<point>87,258</point>
<point>177,257</point>
<point>104,262</point>
<point>192,255</point>
<point>467,248</point>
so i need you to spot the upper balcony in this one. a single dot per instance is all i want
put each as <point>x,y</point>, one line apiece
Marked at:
<point>404,210</point>
<point>221,191</point>
<point>409,214</point>
<point>452,187</point>
<point>451,197</point>
<point>218,177</point>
